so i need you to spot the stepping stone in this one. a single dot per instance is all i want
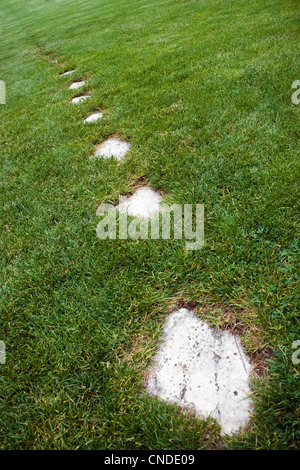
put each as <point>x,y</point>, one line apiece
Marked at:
<point>80,99</point>
<point>143,203</point>
<point>66,73</point>
<point>203,369</point>
<point>112,148</point>
<point>94,117</point>
<point>76,85</point>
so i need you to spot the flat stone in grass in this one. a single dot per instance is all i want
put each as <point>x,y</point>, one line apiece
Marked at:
<point>94,117</point>
<point>68,72</point>
<point>143,203</point>
<point>203,369</point>
<point>80,99</point>
<point>112,148</point>
<point>76,85</point>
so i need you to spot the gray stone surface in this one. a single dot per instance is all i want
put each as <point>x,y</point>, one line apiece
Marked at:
<point>80,99</point>
<point>68,72</point>
<point>112,148</point>
<point>204,369</point>
<point>76,85</point>
<point>143,203</point>
<point>94,117</point>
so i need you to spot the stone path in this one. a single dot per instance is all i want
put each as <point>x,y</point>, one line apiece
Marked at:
<point>196,366</point>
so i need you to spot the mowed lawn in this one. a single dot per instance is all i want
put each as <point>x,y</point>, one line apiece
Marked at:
<point>202,91</point>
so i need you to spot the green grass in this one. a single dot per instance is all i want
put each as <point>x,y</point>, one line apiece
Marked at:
<point>202,90</point>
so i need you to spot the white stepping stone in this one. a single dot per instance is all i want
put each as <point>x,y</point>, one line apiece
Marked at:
<point>112,148</point>
<point>67,73</point>
<point>143,203</point>
<point>204,369</point>
<point>76,85</point>
<point>94,117</point>
<point>80,99</point>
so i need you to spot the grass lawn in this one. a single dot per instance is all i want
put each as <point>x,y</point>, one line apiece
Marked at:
<point>202,91</point>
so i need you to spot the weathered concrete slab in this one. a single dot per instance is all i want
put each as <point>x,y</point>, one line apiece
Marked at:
<point>76,85</point>
<point>94,117</point>
<point>80,99</point>
<point>204,369</point>
<point>143,203</point>
<point>112,148</point>
<point>68,72</point>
